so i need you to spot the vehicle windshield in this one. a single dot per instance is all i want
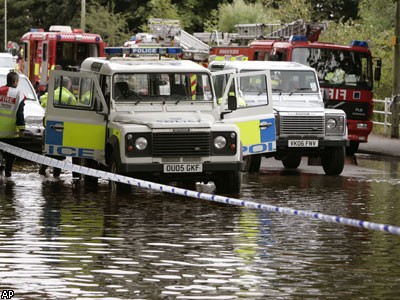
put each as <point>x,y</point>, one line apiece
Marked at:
<point>292,81</point>
<point>161,87</point>
<point>337,67</point>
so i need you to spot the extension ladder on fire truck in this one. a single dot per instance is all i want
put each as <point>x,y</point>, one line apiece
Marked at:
<point>164,29</point>
<point>281,31</point>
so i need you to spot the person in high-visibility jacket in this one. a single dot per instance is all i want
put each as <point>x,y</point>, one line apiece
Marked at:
<point>241,101</point>
<point>62,95</point>
<point>12,121</point>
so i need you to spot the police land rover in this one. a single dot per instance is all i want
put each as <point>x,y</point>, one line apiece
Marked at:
<point>147,118</point>
<point>304,126</point>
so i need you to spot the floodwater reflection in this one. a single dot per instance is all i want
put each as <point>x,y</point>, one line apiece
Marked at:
<point>60,240</point>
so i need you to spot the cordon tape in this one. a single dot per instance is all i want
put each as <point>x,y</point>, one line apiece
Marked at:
<point>65,165</point>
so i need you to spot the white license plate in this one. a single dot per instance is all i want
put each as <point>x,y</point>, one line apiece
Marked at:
<point>183,168</point>
<point>303,143</point>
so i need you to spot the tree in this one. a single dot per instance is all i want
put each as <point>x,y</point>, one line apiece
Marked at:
<point>111,26</point>
<point>239,12</point>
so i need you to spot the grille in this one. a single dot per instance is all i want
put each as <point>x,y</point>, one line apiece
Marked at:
<point>181,144</point>
<point>302,125</point>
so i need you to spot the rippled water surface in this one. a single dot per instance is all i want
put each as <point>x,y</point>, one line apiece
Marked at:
<point>61,240</point>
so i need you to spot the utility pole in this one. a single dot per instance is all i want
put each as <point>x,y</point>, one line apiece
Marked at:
<point>83,14</point>
<point>396,77</point>
<point>5,25</point>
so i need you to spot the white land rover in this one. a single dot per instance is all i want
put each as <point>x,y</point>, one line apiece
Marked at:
<point>150,119</point>
<point>304,127</point>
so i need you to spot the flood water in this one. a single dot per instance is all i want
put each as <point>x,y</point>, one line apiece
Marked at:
<point>61,240</point>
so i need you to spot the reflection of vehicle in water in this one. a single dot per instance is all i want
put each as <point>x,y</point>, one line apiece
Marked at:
<point>33,112</point>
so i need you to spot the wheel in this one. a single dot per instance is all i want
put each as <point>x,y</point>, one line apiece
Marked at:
<point>114,167</point>
<point>291,161</point>
<point>352,148</point>
<point>252,163</point>
<point>228,182</point>
<point>90,180</point>
<point>333,160</point>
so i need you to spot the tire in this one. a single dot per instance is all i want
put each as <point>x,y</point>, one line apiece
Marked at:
<point>114,167</point>
<point>90,181</point>
<point>333,160</point>
<point>291,161</point>
<point>228,182</point>
<point>352,148</point>
<point>252,163</point>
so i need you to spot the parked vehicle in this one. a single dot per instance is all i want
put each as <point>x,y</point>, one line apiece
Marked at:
<point>304,126</point>
<point>7,60</point>
<point>41,51</point>
<point>33,111</point>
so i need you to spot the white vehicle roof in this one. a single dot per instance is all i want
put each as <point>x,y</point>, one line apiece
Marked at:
<point>118,65</point>
<point>7,60</point>
<point>259,65</point>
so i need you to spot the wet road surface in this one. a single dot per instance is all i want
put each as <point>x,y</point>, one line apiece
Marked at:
<point>61,240</point>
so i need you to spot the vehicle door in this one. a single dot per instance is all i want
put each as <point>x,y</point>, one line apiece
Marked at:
<point>76,117</point>
<point>254,114</point>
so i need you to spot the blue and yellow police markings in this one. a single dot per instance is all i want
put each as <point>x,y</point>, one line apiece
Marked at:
<point>74,139</point>
<point>257,138</point>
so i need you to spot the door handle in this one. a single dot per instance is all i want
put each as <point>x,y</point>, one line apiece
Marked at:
<point>265,124</point>
<point>57,127</point>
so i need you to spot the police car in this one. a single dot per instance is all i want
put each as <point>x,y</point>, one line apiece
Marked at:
<point>304,126</point>
<point>151,119</point>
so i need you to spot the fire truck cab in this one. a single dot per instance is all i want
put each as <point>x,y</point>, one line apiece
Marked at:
<point>345,74</point>
<point>40,52</point>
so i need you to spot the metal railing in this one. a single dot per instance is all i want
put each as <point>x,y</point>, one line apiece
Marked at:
<point>382,109</point>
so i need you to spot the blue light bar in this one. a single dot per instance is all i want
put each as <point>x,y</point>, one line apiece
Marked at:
<point>359,43</point>
<point>298,38</point>
<point>143,51</point>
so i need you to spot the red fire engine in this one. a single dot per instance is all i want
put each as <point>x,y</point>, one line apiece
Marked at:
<point>345,74</point>
<point>41,51</point>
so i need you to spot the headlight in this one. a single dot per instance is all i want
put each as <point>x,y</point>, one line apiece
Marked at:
<point>220,142</point>
<point>141,143</point>
<point>331,124</point>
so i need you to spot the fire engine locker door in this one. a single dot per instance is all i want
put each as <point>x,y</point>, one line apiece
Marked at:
<point>76,126</point>
<point>44,73</point>
<point>27,59</point>
<point>254,115</point>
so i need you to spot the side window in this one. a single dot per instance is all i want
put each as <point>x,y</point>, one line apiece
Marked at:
<point>86,92</point>
<point>63,92</point>
<point>73,92</point>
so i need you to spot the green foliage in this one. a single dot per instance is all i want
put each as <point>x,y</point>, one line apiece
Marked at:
<point>211,23</point>
<point>289,11</point>
<point>239,12</point>
<point>369,29</point>
<point>111,26</point>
